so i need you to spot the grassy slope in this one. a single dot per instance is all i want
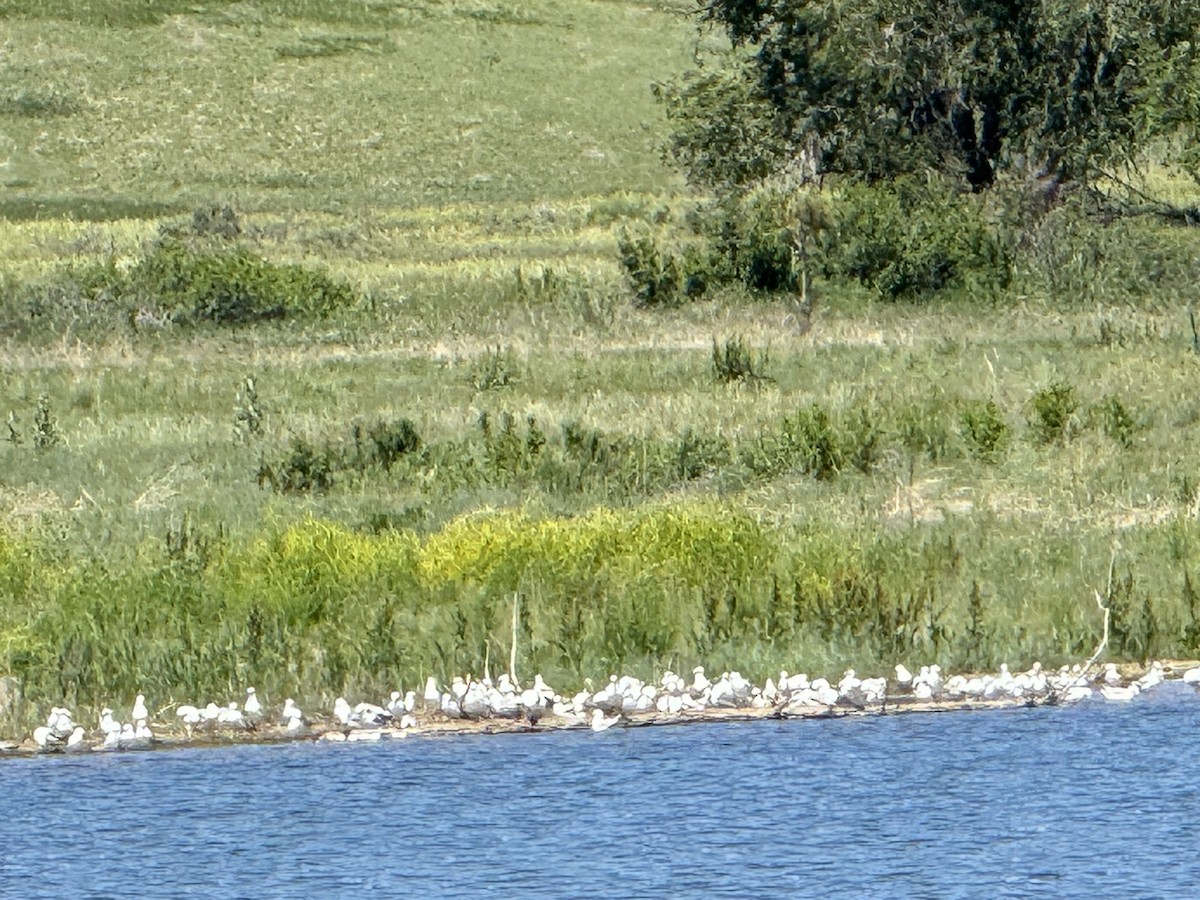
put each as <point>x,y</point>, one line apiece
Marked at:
<point>443,157</point>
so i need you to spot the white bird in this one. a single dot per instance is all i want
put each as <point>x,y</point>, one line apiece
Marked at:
<point>1120,694</point>
<point>1192,676</point>
<point>1076,692</point>
<point>600,723</point>
<point>60,722</point>
<point>396,704</point>
<point>544,690</point>
<point>140,713</point>
<point>291,711</point>
<point>231,716</point>
<point>369,715</point>
<point>75,741</point>
<point>44,737</point>
<point>342,711</point>
<point>109,725</point>
<point>252,707</point>
<point>1111,675</point>
<point>903,677</point>
<point>1153,677</point>
<point>699,681</point>
<point>189,714</point>
<point>433,696</point>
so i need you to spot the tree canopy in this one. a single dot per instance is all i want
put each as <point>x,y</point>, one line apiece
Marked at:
<point>872,89</point>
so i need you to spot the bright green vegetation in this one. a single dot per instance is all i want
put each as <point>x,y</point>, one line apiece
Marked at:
<point>329,441</point>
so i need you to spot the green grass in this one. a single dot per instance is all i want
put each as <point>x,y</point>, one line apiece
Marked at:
<point>903,482</point>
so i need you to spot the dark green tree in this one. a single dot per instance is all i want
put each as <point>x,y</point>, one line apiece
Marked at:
<point>1066,90</point>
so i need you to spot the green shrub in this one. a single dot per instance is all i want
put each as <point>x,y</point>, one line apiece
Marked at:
<point>661,275</point>
<point>911,238</point>
<point>735,362</point>
<point>984,430</point>
<point>1053,411</point>
<point>302,469</point>
<point>226,287</point>
<point>1115,420</point>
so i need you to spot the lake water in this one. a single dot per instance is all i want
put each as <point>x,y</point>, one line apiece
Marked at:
<point>1096,800</point>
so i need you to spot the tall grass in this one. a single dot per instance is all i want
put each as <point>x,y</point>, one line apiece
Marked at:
<point>327,503</point>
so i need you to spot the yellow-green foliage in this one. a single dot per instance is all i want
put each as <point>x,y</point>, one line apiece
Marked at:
<point>695,546</point>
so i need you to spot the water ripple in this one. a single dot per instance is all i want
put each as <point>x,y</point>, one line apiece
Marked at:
<point>1097,799</point>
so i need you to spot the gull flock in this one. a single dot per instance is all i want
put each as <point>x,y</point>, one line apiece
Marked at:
<point>623,700</point>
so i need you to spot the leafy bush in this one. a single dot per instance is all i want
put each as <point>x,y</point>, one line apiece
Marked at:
<point>303,468</point>
<point>735,362</point>
<point>911,238</point>
<point>1053,411</point>
<point>226,287</point>
<point>660,275</point>
<point>984,430</point>
<point>1115,420</point>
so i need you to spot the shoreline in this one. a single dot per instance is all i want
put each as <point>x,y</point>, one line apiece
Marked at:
<point>435,724</point>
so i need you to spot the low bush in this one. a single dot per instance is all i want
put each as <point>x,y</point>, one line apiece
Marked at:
<point>985,430</point>
<point>913,238</point>
<point>661,272</point>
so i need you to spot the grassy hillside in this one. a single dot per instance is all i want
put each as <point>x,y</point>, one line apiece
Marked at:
<point>490,418</point>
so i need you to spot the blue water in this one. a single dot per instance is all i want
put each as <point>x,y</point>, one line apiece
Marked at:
<point>1096,800</point>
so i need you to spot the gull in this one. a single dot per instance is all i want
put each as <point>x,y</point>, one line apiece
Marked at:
<point>1192,676</point>
<point>1111,675</point>
<point>956,685</point>
<point>342,711</point>
<point>292,716</point>
<point>450,707</point>
<point>1076,692</point>
<point>396,705</point>
<point>371,716</point>
<point>1120,694</point>
<point>109,725</point>
<point>544,690</point>
<point>699,682</point>
<point>769,691</point>
<point>903,677</point>
<point>59,722</point>
<point>1153,677</point>
<point>600,723</point>
<point>252,707</point>
<point>533,705</point>
<point>433,696</point>
<point>191,717</point>
<point>231,716</point>
<point>291,710</point>
<point>874,689</point>
<point>140,713</point>
<point>75,741</point>
<point>44,737</point>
